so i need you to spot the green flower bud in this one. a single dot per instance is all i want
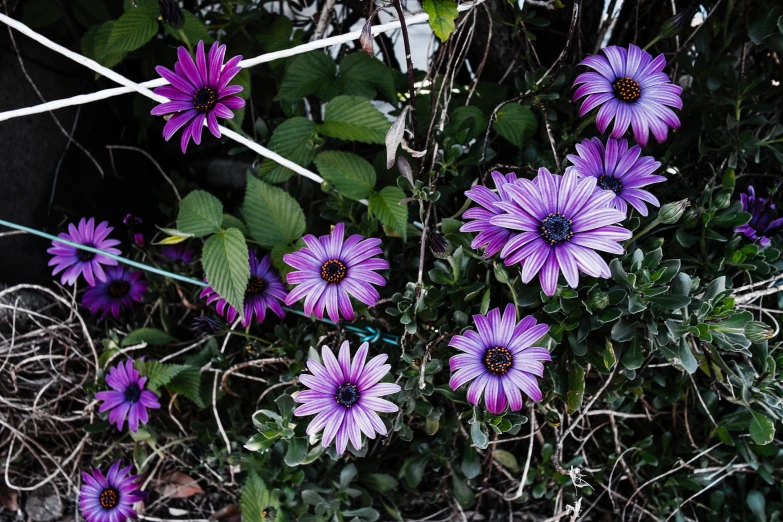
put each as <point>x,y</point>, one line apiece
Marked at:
<point>758,332</point>
<point>671,213</point>
<point>598,300</point>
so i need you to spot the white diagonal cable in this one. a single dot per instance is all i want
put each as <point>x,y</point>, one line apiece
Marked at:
<point>250,62</point>
<point>108,73</point>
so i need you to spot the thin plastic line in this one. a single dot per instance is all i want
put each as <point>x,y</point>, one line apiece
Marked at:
<point>250,62</point>
<point>368,333</point>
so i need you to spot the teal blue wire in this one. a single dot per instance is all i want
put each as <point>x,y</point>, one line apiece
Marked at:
<point>369,334</point>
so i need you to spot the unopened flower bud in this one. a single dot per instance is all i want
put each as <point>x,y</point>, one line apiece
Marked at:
<point>671,213</point>
<point>723,198</point>
<point>366,38</point>
<point>677,23</point>
<point>691,218</point>
<point>439,245</point>
<point>171,13</point>
<point>598,300</point>
<point>758,332</point>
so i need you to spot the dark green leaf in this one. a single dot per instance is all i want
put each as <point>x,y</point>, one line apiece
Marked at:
<point>200,214</point>
<point>352,175</point>
<point>385,207</point>
<point>354,119</point>
<point>147,335</point>
<point>272,215</point>
<point>294,139</point>
<point>516,123</point>
<point>227,265</point>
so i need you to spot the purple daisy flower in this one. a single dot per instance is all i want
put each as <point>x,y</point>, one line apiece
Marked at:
<point>121,288</point>
<point>490,236</point>
<point>619,170</point>
<point>75,261</point>
<point>328,271</point>
<point>264,289</point>
<point>198,92</point>
<point>110,498</point>
<point>761,223</point>
<point>179,253</point>
<point>631,89</point>
<point>563,220</point>
<point>127,397</point>
<point>500,360</point>
<point>345,395</point>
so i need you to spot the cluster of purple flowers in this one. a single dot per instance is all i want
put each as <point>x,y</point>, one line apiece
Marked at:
<point>111,287</point>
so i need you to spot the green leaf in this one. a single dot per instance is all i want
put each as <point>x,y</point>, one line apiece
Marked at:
<point>297,451</point>
<point>507,460</point>
<point>294,139</point>
<point>256,498</point>
<point>762,430</point>
<point>309,73</point>
<point>94,44</point>
<point>468,118</point>
<point>200,214</point>
<point>576,388</point>
<point>272,215</point>
<point>380,482</point>
<point>157,373</point>
<point>352,175</point>
<point>385,207</point>
<point>442,13</point>
<point>363,75</point>
<point>757,505</point>
<point>462,492</point>
<point>671,301</point>
<point>354,119</point>
<point>188,384</point>
<point>516,123</point>
<point>147,335</point>
<point>227,266</point>
<point>471,464</point>
<point>131,31</point>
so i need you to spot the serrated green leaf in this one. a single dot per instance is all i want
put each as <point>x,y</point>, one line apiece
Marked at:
<point>94,44</point>
<point>363,75</point>
<point>309,73</point>
<point>355,119</point>
<point>294,139</point>
<point>352,175</point>
<point>256,498</point>
<point>272,215</point>
<point>200,214</point>
<point>516,123</point>
<point>442,13</point>
<point>385,207</point>
<point>188,384</point>
<point>227,265</point>
<point>157,373</point>
<point>131,31</point>
<point>147,335</point>
<point>576,388</point>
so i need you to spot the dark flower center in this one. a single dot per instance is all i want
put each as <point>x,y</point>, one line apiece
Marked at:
<point>333,271</point>
<point>119,288</point>
<point>556,228</point>
<point>268,513</point>
<point>204,99</point>
<point>627,90</point>
<point>610,183</point>
<point>109,498</point>
<point>497,360</point>
<point>84,256</point>
<point>255,285</point>
<point>132,393</point>
<point>347,395</point>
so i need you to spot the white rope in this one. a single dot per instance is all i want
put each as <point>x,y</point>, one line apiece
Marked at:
<point>144,88</point>
<point>250,62</point>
